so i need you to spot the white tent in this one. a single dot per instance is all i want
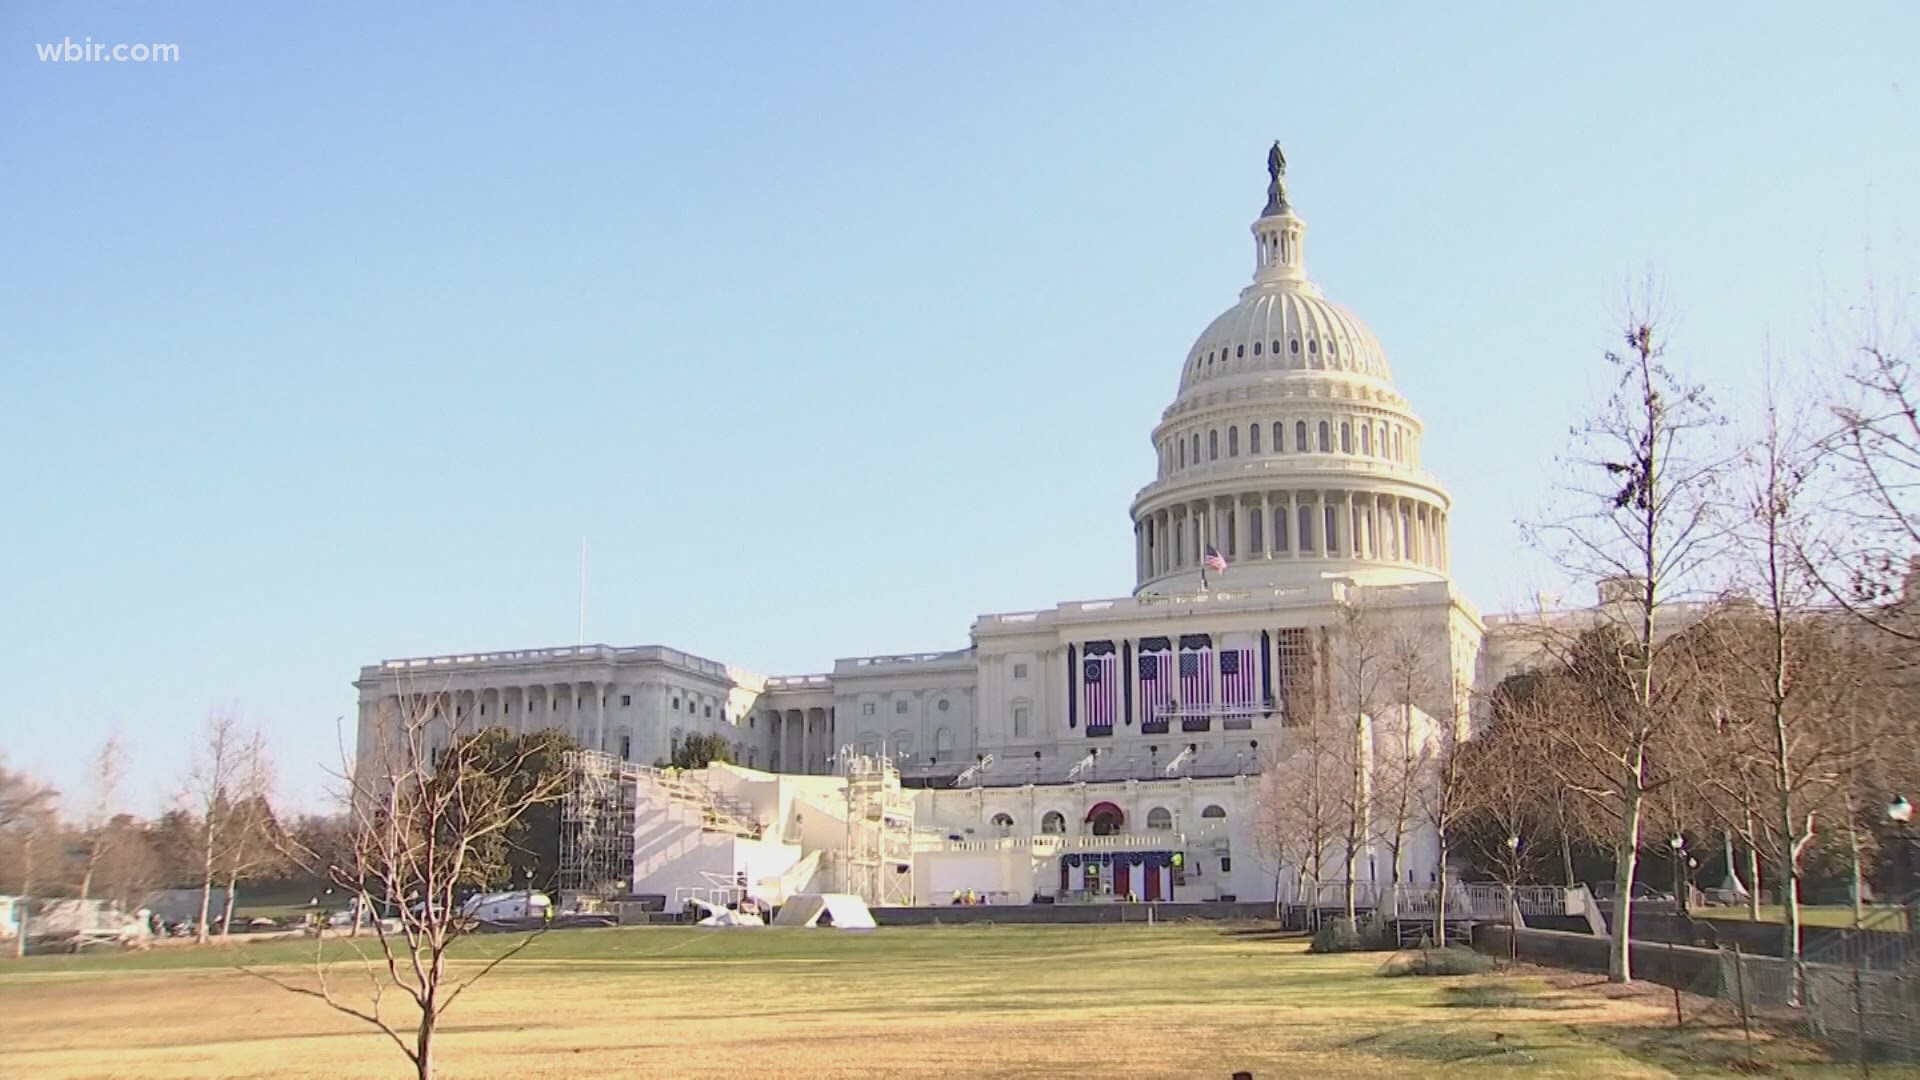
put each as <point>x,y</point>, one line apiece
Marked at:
<point>843,911</point>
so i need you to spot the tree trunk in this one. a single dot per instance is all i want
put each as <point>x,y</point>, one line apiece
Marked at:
<point>1853,859</point>
<point>26,894</point>
<point>206,879</point>
<point>423,1043</point>
<point>226,919</point>
<point>1753,883</point>
<point>1619,948</point>
<point>1566,845</point>
<point>1440,912</point>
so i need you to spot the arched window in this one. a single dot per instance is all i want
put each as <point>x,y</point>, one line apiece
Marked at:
<point>1213,445</point>
<point>1003,825</point>
<point>1399,451</point>
<point>1332,536</point>
<point>1233,442</point>
<point>1196,448</point>
<point>1253,438</point>
<point>1279,528</point>
<point>943,740</point>
<point>1366,439</point>
<point>1326,437</point>
<point>1306,528</point>
<point>1300,436</point>
<point>1239,352</point>
<point>1256,348</point>
<point>1255,542</point>
<point>1053,823</point>
<point>1214,812</point>
<point>1383,440</point>
<point>1183,453</point>
<point>1346,437</point>
<point>1022,721</point>
<point>1159,819</point>
<point>1275,347</point>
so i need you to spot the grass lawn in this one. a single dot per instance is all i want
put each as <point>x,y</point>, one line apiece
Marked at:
<point>980,1001</point>
<point>1880,918</point>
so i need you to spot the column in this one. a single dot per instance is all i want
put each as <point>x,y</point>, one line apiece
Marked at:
<point>599,692</point>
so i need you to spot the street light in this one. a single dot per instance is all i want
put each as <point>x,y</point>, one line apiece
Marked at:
<point>1679,845</point>
<point>1900,812</point>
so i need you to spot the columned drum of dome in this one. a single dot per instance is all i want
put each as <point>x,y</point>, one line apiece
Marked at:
<point>1287,448</point>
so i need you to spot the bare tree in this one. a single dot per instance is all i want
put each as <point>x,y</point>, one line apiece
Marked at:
<point>1301,808</point>
<point>219,765</point>
<point>1361,676</point>
<point>1642,524</point>
<point>1416,686</point>
<point>27,816</point>
<point>429,802</point>
<point>1441,795</point>
<point>97,831</point>
<point>251,843</point>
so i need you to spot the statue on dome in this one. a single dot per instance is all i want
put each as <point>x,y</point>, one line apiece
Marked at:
<point>1276,186</point>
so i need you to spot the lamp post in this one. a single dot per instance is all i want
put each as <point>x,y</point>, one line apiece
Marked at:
<point>1679,845</point>
<point>1513,875</point>
<point>1900,813</point>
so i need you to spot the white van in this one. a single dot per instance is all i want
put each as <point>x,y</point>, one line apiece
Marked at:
<point>507,906</point>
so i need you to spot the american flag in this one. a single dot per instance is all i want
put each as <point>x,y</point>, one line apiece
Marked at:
<point>1196,678</point>
<point>1101,689</point>
<point>1154,689</point>
<point>1237,690</point>
<point>1214,561</point>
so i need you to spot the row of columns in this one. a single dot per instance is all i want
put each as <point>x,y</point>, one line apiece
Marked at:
<point>803,739</point>
<point>1292,525</point>
<point>1381,441</point>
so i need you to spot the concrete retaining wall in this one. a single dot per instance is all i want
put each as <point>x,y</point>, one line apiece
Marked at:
<point>1067,913</point>
<point>1669,965</point>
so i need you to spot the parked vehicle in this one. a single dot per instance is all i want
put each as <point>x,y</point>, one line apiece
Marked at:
<point>508,906</point>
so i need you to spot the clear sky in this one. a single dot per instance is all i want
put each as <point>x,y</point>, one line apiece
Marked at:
<point>828,326</point>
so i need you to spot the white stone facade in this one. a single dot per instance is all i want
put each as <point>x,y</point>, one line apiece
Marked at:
<point>1287,450</point>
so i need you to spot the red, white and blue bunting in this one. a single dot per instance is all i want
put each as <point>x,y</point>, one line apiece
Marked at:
<point>1147,875</point>
<point>1196,678</point>
<point>1100,687</point>
<point>1157,682</point>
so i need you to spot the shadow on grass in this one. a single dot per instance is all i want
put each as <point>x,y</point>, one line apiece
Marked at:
<point>1444,1045</point>
<point>1264,933</point>
<point>1500,995</point>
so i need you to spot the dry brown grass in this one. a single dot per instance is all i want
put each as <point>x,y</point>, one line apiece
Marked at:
<point>963,1002</point>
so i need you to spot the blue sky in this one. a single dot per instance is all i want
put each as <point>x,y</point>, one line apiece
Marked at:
<point>828,326</point>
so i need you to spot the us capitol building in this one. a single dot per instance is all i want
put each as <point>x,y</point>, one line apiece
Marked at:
<point>1286,451</point>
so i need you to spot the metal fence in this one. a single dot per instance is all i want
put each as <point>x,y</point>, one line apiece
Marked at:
<point>1859,993</point>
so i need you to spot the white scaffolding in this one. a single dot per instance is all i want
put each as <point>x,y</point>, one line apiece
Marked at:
<point>596,825</point>
<point>877,863</point>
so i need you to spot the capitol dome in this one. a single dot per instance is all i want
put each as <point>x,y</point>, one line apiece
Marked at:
<point>1287,449</point>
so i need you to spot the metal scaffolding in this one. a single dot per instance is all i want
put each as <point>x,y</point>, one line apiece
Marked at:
<point>596,825</point>
<point>877,864</point>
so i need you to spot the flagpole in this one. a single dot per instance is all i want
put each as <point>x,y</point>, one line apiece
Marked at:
<point>583,592</point>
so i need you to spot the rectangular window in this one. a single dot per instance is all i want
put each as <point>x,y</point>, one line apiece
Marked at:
<point>676,704</point>
<point>1022,721</point>
<point>900,706</point>
<point>626,700</point>
<point>866,709</point>
<point>626,748</point>
<point>1019,671</point>
<point>1226,864</point>
<point>483,710</point>
<point>709,712</point>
